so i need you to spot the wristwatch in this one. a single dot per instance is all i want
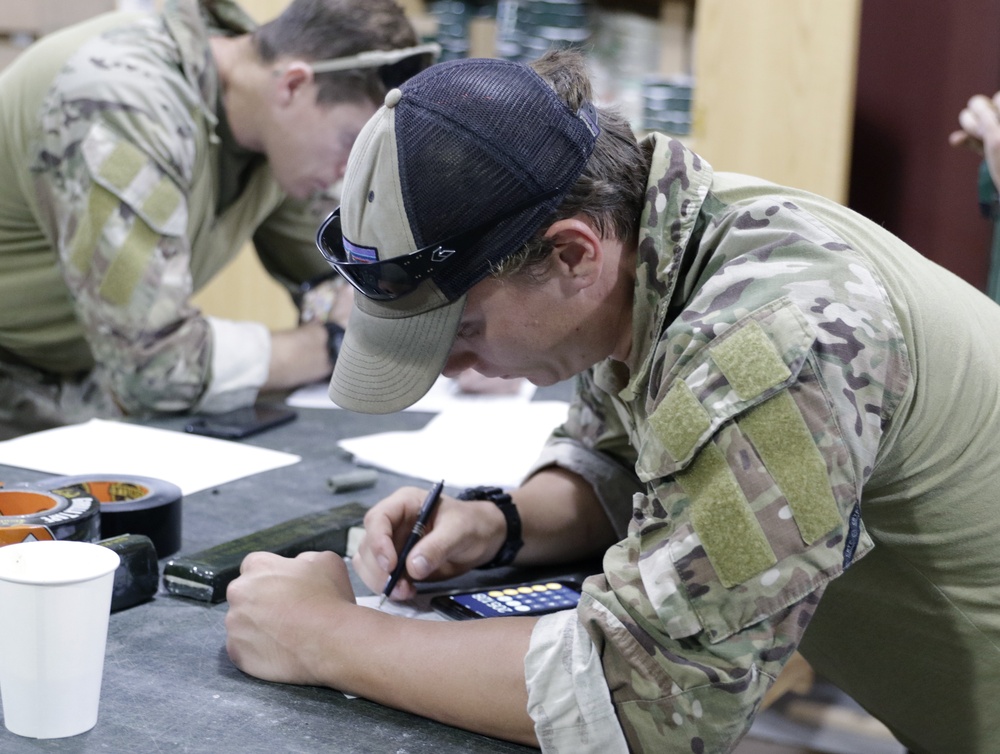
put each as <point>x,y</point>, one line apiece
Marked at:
<point>513,542</point>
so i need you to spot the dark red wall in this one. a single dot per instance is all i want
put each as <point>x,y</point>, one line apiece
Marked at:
<point>919,62</point>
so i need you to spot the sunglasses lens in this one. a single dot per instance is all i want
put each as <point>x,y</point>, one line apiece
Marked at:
<point>381,281</point>
<point>329,239</point>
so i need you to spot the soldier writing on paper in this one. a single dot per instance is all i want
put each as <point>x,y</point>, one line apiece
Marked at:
<point>783,437</point>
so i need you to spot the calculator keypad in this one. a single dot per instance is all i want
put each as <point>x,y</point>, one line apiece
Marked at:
<point>535,599</point>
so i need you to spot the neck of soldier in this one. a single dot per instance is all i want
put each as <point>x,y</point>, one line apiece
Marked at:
<point>622,297</point>
<point>244,81</point>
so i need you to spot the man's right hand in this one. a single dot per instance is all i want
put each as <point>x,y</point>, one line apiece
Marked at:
<point>461,535</point>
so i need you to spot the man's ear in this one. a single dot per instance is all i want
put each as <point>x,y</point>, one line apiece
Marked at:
<point>290,81</point>
<point>577,253</point>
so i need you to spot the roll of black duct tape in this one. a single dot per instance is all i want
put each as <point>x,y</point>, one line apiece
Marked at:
<point>129,505</point>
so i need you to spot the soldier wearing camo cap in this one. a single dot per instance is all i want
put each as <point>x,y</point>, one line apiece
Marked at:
<point>783,437</point>
<point>140,152</point>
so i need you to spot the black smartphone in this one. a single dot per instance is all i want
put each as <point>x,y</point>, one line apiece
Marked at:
<point>240,423</point>
<point>536,598</point>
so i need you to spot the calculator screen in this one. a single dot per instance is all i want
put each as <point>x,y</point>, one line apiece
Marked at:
<point>532,599</point>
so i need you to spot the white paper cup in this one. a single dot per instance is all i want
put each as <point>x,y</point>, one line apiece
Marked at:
<point>56,600</point>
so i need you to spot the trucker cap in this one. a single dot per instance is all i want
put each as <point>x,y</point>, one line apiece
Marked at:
<point>458,169</point>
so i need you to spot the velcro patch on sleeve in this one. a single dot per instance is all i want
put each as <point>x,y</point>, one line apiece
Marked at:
<point>129,264</point>
<point>121,166</point>
<point>680,420</point>
<point>133,205</point>
<point>161,203</point>
<point>785,445</point>
<point>136,179</point>
<point>721,516</point>
<point>100,204</point>
<point>750,361</point>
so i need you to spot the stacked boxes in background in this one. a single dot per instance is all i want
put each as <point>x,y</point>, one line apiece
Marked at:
<point>513,29</point>
<point>640,62</point>
<point>24,21</point>
<point>526,29</point>
<point>451,26</point>
<point>666,104</point>
<point>634,54</point>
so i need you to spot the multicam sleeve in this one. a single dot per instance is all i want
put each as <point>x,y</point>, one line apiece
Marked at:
<point>593,444</point>
<point>120,224</point>
<point>751,508</point>
<point>568,698</point>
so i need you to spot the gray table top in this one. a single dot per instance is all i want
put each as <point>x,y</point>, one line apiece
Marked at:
<point>169,685</point>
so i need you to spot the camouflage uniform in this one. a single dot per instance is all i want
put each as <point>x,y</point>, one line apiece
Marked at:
<point>124,193</point>
<point>810,409</point>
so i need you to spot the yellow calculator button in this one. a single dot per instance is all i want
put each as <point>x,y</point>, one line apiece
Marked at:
<point>540,588</point>
<point>553,585</point>
<point>495,593</point>
<point>524,589</point>
<point>509,590</point>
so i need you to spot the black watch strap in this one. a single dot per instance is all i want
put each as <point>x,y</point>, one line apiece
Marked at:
<point>513,542</point>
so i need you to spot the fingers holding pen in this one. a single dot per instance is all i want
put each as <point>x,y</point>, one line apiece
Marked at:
<point>460,535</point>
<point>387,525</point>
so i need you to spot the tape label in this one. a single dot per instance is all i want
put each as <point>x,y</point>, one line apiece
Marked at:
<point>78,507</point>
<point>105,491</point>
<point>14,535</point>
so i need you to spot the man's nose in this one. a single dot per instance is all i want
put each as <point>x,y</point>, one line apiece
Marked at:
<point>458,362</point>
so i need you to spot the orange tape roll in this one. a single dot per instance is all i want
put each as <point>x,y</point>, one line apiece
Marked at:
<point>28,514</point>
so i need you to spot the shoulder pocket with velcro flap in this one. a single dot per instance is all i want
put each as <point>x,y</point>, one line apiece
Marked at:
<point>751,361</point>
<point>126,171</point>
<point>123,174</point>
<point>742,376</point>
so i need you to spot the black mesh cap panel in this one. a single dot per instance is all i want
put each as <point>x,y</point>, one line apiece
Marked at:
<point>476,139</point>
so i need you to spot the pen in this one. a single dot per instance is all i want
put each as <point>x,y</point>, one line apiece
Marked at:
<point>426,511</point>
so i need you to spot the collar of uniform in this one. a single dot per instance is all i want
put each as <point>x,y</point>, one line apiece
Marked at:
<point>190,23</point>
<point>678,183</point>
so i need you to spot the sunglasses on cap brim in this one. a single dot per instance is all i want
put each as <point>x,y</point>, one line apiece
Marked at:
<point>393,278</point>
<point>394,66</point>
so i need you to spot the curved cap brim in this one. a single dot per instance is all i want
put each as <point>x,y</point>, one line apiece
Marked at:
<point>388,364</point>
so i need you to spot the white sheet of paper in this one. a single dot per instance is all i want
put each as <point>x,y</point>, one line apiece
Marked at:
<point>443,394</point>
<point>419,607</point>
<point>483,443</point>
<point>192,462</point>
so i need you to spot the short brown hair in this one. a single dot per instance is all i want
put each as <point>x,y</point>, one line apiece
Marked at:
<point>327,29</point>
<point>611,189</point>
